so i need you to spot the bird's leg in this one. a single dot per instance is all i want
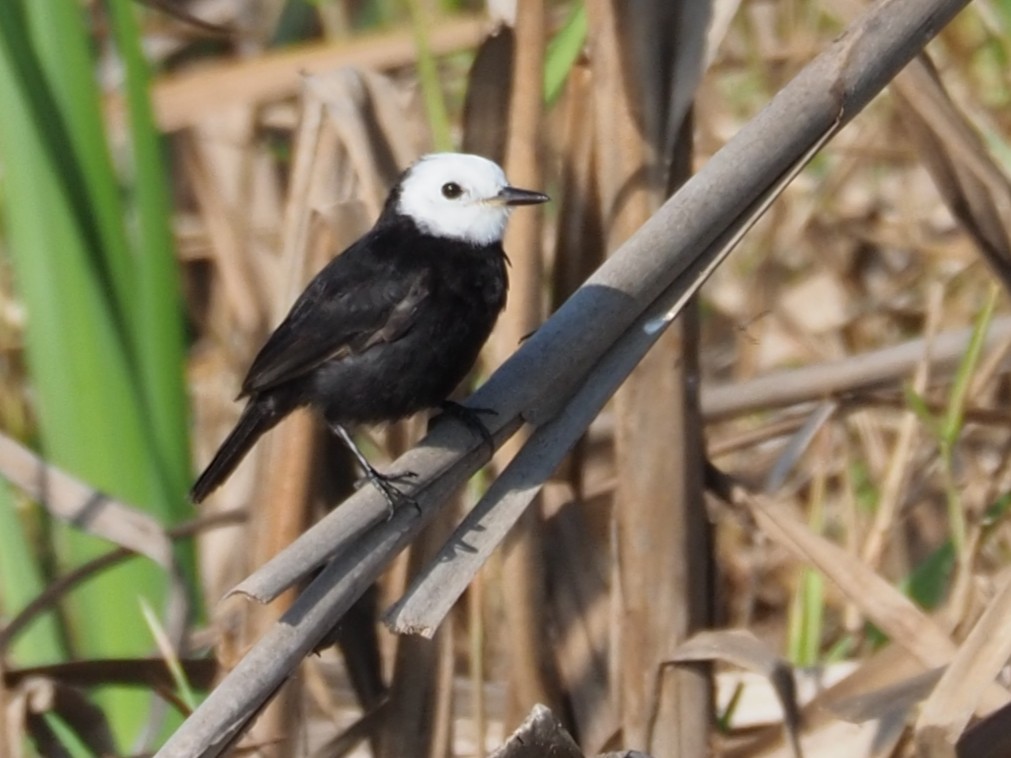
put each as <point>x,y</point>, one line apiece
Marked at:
<point>471,418</point>
<point>381,482</point>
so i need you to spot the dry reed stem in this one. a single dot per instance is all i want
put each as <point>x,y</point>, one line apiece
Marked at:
<point>580,607</point>
<point>417,721</point>
<point>975,666</point>
<point>540,734</point>
<point>182,100</point>
<point>286,455</point>
<point>661,566</point>
<point>579,242</point>
<point>73,502</point>
<point>971,183</point>
<point>798,444</point>
<point>741,648</point>
<point>625,158</point>
<point>855,373</point>
<point>531,669</point>
<point>900,462</point>
<point>225,222</point>
<point>880,602</point>
<point>580,600</point>
<point>886,682</point>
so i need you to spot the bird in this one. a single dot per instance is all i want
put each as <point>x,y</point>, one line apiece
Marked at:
<point>390,326</point>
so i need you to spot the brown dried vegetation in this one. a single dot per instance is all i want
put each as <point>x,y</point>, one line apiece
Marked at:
<point>795,505</point>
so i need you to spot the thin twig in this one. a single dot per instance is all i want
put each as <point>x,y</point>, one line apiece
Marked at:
<point>852,374</point>
<point>64,584</point>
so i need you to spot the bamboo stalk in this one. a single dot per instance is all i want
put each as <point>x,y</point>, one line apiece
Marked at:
<point>531,670</point>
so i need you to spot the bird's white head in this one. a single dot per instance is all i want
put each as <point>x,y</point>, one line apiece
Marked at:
<point>460,196</point>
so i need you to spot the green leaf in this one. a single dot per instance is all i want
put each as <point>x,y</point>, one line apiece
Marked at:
<point>45,47</point>
<point>952,427</point>
<point>563,52</point>
<point>160,351</point>
<point>93,266</point>
<point>918,405</point>
<point>805,624</point>
<point>428,75</point>
<point>21,581</point>
<point>928,583</point>
<point>70,741</point>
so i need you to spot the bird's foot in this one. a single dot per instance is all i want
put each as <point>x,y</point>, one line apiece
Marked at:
<point>471,418</point>
<point>387,485</point>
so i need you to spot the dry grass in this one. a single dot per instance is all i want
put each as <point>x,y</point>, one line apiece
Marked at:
<point>859,532</point>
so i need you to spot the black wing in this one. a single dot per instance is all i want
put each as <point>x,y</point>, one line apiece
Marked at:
<point>358,300</point>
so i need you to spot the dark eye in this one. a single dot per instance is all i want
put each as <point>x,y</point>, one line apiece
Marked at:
<point>451,190</point>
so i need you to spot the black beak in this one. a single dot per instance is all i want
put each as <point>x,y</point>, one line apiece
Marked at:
<point>514,196</point>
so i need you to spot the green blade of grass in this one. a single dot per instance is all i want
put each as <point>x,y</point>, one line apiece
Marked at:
<point>83,339</point>
<point>805,623</point>
<point>918,405</point>
<point>21,580</point>
<point>70,741</point>
<point>80,380</point>
<point>158,314</point>
<point>954,417</point>
<point>431,87</point>
<point>563,52</point>
<point>966,369</point>
<point>807,611</point>
<point>928,583</point>
<point>47,50</point>
<point>74,354</point>
<point>182,684</point>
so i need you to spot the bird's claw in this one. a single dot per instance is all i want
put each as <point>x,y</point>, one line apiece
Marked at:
<point>387,487</point>
<point>471,418</point>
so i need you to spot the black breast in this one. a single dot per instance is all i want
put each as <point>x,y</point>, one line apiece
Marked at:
<point>467,291</point>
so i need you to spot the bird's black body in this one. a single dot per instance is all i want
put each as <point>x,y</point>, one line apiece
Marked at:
<point>388,328</point>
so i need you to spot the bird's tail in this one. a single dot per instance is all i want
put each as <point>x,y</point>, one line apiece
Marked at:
<point>261,414</point>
